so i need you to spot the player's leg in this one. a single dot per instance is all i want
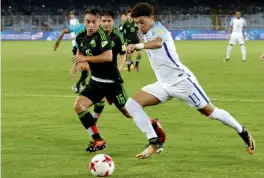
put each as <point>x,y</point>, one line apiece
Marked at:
<point>231,42</point>
<point>89,95</point>
<point>73,39</point>
<point>139,54</point>
<point>150,95</point>
<point>242,47</point>
<point>98,109</point>
<point>129,62</point>
<point>192,93</point>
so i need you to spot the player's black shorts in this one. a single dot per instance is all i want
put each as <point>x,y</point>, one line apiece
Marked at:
<point>114,92</point>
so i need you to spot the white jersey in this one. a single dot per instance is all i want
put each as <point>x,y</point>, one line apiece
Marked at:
<point>238,25</point>
<point>74,21</point>
<point>165,61</point>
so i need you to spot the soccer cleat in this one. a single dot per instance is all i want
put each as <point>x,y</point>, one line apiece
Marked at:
<point>249,141</point>
<point>160,133</point>
<point>96,145</point>
<point>149,150</point>
<point>226,60</point>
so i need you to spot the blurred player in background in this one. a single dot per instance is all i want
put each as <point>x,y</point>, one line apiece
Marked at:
<point>123,20</point>
<point>262,57</point>
<point>173,81</point>
<point>131,35</point>
<point>84,68</point>
<point>238,30</point>
<point>73,21</point>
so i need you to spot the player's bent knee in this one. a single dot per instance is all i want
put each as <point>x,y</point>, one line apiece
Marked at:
<point>207,110</point>
<point>82,103</point>
<point>77,107</point>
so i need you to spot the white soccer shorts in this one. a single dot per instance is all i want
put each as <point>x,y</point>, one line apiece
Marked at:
<point>236,37</point>
<point>187,90</point>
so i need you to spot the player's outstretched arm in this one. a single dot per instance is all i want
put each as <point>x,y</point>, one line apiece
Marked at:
<point>57,43</point>
<point>154,44</point>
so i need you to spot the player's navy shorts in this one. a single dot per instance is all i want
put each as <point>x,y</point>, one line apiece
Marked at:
<point>114,92</point>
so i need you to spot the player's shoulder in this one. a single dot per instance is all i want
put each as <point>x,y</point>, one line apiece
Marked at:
<point>118,35</point>
<point>101,35</point>
<point>157,26</point>
<point>80,34</point>
<point>117,32</point>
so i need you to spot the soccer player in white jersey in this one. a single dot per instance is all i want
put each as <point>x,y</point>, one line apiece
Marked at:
<point>174,81</point>
<point>73,21</point>
<point>238,30</point>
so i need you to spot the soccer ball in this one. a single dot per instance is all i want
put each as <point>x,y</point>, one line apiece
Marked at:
<point>102,165</point>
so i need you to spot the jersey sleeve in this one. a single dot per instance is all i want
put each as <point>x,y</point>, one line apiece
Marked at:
<point>160,31</point>
<point>104,41</point>
<point>121,44</point>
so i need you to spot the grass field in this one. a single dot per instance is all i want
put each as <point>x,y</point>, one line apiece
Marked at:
<point>43,138</point>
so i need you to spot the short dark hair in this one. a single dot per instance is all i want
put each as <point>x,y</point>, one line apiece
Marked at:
<point>142,9</point>
<point>94,12</point>
<point>128,11</point>
<point>108,13</point>
<point>237,9</point>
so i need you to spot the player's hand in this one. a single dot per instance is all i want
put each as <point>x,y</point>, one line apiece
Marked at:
<point>56,45</point>
<point>228,36</point>
<point>78,59</point>
<point>131,48</point>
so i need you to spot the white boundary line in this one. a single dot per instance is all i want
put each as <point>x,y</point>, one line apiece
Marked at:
<point>74,96</point>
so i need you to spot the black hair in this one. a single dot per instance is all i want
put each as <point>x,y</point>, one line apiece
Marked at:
<point>142,9</point>
<point>94,12</point>
<point>108,13</point>
<point>128,11</point>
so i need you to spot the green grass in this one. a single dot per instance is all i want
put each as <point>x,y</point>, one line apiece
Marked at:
<point>43,138</point>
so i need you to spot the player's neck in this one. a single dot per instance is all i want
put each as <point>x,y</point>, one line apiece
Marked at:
<point>109,32</point>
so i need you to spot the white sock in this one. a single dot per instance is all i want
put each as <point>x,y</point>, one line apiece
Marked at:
<point>228,51</point>
<point>140,118</point>
<point>243,51</point>
<point>226,118</point>
<point>73,42</point>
